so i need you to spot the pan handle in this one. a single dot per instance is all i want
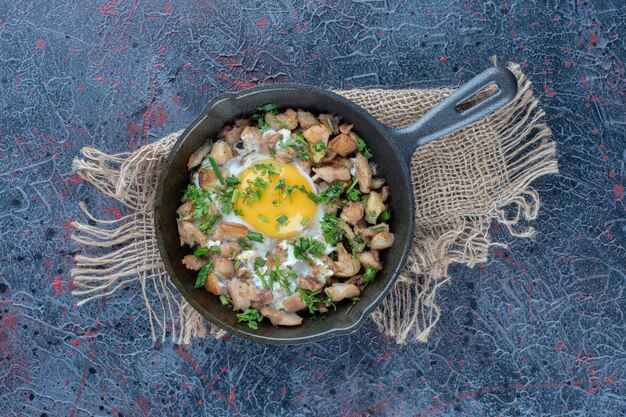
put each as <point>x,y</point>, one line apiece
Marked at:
<point>446,117</point>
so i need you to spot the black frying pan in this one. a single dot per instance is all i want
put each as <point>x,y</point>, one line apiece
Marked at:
<point>392,148</point>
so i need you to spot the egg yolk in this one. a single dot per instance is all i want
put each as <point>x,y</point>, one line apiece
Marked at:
<point>272,201</point>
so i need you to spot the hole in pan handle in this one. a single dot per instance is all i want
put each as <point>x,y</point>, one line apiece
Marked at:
<point>459,109</point>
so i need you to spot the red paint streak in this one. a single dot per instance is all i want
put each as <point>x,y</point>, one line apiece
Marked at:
<point>594,131</point>
<point>605,158</point>
<point>40,44</point>
<point>177,100</point>
<point>57,286</point>
<point>443,59</point>
<point>241,85</point>
<point>549,91</point>
<point>594,37</point>
<point>115,212</point>
<point>101,79</point>
<point>560,346</point>
<point>81,88</point>
<point>168,7</point>
<point>182,352</point>
<point>283,390</point>
<point>601,147</point>
<point>612,173</point>
<point>109,9</point>
<point>618,189</point>
<point>231,397</point>
<point>261,22</point>
<point>143,404</point>
<point>386,356</point>
<point>585,81</point>
<point>380,406</point>
<point>77,342</point>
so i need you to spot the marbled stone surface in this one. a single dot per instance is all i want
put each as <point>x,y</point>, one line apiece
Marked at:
<point>538,330</point>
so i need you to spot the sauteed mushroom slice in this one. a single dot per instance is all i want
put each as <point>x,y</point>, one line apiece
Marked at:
<point>342,290</point>
<point>196,158</point>
<point>382,240</point>
<point>281,318</point>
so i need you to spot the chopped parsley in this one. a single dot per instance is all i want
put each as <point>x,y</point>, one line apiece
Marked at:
<point>208,224</point>
<point>256,237</point>
<point>243,243</point>
<point>225,301</point>
<point>251,317</point>
<point>202,274</point>
<point>363,148</point>
<point>369,275</point>
<point>269,170</point>
<point>305,221</point>
<point>259,114</point>
<point>312,298</point>
<point>254,190</point>
<point>354,301</point>
<point>330,195</point>
<point>331,230</point>
<point>357,244</point>
<point>297,142</point>
<point>282,219</point>
<point>320,147</point>
<point>201,200</point>
<point>201,252</point>
<point>304,247</point>
<point>228,195</point>
<point>263,219</point>
<point>353,193</point>
<point>385,215</point>
<point>283,277</point>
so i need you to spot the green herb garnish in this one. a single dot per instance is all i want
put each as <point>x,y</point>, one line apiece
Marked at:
<point>202,274</point>
<point>354,301</point>
<point>225,301</point>
<point>385,215</point>
<point>357,244</point>
<point>259,115</point>
<point>369,275</point>
<point>320,147</point>
<point>201,200</point>
<point>251,317</point>
<point>244,245</point>
<point>353,193</point>
<point>282,219</point>
<point>331,230</point>
<point>218,174</point>
<point>304,221</point>
<point>254,191</point>
<point>263,219</point>
<point>269,170</point>
<point>256,237</point>
<point>363,148</point>
<point>304,247</point>
<point>330,195</point>
<point>201,252</point>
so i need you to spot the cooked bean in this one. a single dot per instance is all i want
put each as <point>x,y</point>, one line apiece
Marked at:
<point>185,210</point>
<point>251,137</point>
<point>293,304</point>
<point>212,284</point>
<point>316,134</point>
<point>346,265</point>
<point>371,259</point>
<point>309,283</point>
<point>194,263</point>
<point>196,158</point>
<point>332,173</point>
<point>352,212</point>
<point>382,240</point>
<point>230,249</point>
<point>345,128</point>
<point>234,289</point>
<point>374,207</point>
<point>230,230</point>
<point>363,173</point>
<point>207,178</point>
<point>377,183</point>
<point>281,318</point>
<point>223,267</point>
<point>230,134</point>
<point>221,153</point>
<point>190,234</point>
<point>343,144</point>
<point>340,291</point>
<point>306,119</point>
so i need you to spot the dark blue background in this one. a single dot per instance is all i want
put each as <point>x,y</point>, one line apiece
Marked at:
<point>539,330</point>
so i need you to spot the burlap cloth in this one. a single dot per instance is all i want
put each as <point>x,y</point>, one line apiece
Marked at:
<point>462,183</point>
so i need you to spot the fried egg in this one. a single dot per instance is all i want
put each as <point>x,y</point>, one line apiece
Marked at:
<point>281,208</point>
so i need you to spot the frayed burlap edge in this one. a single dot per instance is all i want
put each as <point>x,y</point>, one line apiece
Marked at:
<point>522,153</point>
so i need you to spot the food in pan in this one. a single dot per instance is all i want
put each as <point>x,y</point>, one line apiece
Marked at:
<point>285,216</point>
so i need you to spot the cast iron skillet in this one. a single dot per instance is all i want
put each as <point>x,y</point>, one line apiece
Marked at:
<point>392,150</point>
